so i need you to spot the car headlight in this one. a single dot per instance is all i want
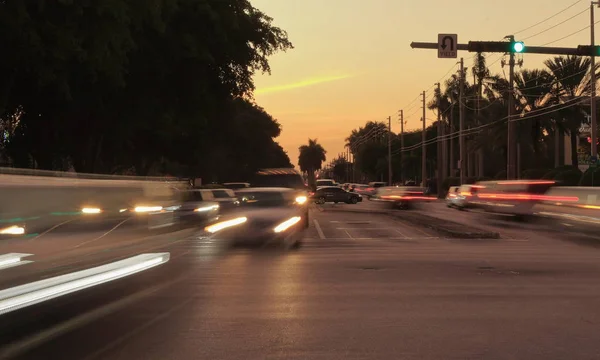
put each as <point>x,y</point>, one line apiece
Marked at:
<point>287,224</point>
<point>225,224</point>
<point>301,199</point>
<point>206,208</point>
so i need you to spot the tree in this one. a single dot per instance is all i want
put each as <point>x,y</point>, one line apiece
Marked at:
<point>106,86</point>
<point>311,158</point>
<point>572,80</point>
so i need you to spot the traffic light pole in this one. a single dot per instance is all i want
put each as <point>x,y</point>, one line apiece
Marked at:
<point>461,123</point>
<point>389,150</point>
<point>511,172</point>
<point>402,147</point>
<point>440,143</point>
<point>424,138</point>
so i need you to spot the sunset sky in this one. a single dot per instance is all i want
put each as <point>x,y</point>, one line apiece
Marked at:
<point>353,63</point>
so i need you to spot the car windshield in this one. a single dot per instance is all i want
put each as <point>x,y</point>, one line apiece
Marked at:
<point>278,180</point>
<point>263,199</point>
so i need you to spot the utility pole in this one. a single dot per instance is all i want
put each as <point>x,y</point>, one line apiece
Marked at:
<point>402,146</point>
<point>461,125</point>
<point>511,138</point>
<point>389,150</point>
<point>440,142</point>
<point>594,123</point>
<point>424,138</point>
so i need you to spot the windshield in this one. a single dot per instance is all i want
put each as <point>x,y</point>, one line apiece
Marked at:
<point>286,181</point>
<point>263,199</point>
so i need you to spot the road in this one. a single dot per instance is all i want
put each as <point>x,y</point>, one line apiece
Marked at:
<point>363,286</point>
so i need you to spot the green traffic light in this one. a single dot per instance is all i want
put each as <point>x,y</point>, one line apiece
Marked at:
<point>518,46</point>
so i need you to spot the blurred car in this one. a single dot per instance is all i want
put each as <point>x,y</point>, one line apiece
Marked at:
<point>335,194</point>
<point>284,178</point>
<point>401,197</point>
<point>461,197</point>
<point>195,207</point>
<point>512,197</point>
<point>266,215</point>
<point>236,185</point>
<point>359,189</point>
<point>372,188</point>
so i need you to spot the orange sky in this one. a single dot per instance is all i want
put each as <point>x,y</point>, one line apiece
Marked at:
<point>353,63</point>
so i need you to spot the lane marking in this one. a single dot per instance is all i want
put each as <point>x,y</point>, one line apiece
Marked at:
<point>103,235</point>
<point>52,228</point>
<point>401,233</point>
<point>359,228</point>
<point>347,233</point>
<point>46,335</point>
<point>319,231</point>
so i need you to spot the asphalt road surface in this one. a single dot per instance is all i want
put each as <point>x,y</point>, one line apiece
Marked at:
<point>363,286</point>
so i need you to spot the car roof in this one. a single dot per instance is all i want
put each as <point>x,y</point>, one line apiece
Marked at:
<point>328,187</point>
<point>265,189</point>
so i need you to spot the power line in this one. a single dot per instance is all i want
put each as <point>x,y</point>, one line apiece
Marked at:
<point>571,34</point>
<point>556,25</point>
<point>549,18</point>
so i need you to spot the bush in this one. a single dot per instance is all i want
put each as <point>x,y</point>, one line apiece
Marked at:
<point>501,175</point>
<point>570,177</point>
<point>551,174</point>
<point>534,174</point>
<point>586,179</point>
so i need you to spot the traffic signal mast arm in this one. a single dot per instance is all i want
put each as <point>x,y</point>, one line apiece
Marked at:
<point>507,47</point>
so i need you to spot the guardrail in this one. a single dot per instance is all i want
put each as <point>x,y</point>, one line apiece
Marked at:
<point>37,200</point>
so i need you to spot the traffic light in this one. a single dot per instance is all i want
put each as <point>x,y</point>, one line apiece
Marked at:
<point>517,46</point>
<point>497,46</point>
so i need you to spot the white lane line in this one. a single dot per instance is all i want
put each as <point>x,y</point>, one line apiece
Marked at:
<point>401,233</point>
<point>361,228</point>
<point>103,235</point>
<point>347,233</point>
<point>319,231</point>
<point>52,228</point>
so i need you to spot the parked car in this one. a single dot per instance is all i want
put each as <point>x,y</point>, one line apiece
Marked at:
<point>336,195</point>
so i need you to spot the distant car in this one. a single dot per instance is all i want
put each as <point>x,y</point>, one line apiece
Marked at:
<point>463,196</point>
<point>284,178</point>
<point>266,215</point>
<point>336,195</point>
<point>401,197</point>
<point>225,198</point>
<point>197,206</point>
<point>372,188</point>
<point>236,185</point>
<point>326,182</point>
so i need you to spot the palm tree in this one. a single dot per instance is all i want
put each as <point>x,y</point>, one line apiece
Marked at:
<point>533,92</point>
<point>572,80</point>
<point>311,158</point>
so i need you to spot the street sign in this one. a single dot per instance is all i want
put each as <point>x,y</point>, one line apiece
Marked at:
<point>447,46</point>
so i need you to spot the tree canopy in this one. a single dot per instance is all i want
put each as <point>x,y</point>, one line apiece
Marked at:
<point>148,86</point>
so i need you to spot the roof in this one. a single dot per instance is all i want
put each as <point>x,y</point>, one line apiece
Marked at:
<point>278,171</point>
<point>265,189</point>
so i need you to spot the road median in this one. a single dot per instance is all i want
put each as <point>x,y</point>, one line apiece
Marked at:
<point>443,226</point>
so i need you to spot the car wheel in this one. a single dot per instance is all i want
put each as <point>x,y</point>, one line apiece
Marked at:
<point>354,200</point>
<point>321,200</point>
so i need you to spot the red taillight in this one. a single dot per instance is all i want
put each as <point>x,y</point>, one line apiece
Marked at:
<point>529,197</point>
<point>311,193</point>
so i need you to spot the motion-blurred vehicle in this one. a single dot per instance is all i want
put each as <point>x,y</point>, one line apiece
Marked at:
<point>461,197</point>
<point>401,197</point>
<point>372,188</point>
<point>266,215</point>
<point>236,185</point>
<point>359,189</point>
<point>576,207</point>
<point>284,178</point>
<point>512,197</point>
<point>195,207</point>
<point>336,195</point>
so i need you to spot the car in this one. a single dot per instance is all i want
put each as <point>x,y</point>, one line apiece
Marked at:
<point>284,178</point>
<point>266,215</point>
<point>326,182</point>
<point>401,197</point>
<point>372,188</point>
<point>197,206</point>
<point>236,185</point>
<point>335,194</point>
